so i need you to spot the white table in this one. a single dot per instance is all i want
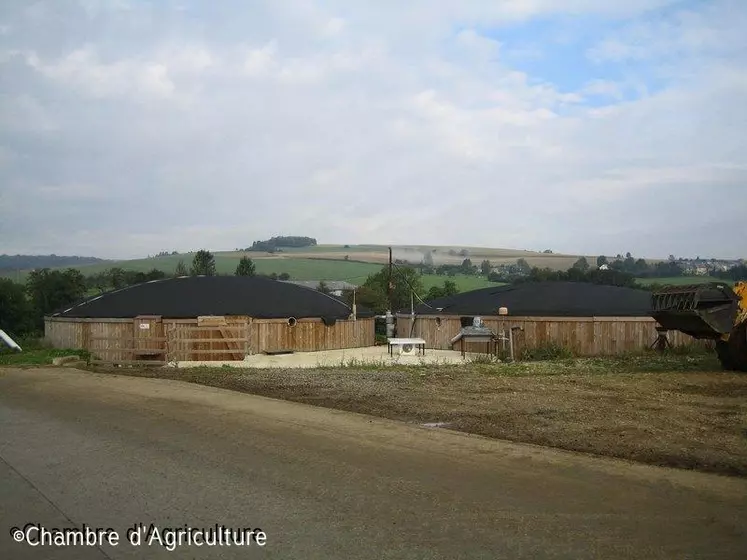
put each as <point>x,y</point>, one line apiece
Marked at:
<point>419,342</point>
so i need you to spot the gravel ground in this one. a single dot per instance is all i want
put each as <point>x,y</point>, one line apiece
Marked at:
<point>677,411</point>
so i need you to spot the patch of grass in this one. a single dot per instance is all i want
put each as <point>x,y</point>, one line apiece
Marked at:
<point>550,351</point>
<point>298,268</point>
<point>36,357</point>
<point>36,351</point>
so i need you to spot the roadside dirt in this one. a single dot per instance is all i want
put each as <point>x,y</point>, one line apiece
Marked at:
<point>692,420</point>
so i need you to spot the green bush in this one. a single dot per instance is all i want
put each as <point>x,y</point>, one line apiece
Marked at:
<point>549,351</point>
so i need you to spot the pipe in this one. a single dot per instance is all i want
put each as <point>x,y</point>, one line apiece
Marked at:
<point>9,341</point>
<point>511,343</point>
<point>389,324</point>
<point>511,340</point>
<point>412,313</point>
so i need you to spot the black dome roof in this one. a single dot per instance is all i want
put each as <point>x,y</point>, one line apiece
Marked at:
<point>194,296</point>
<point>545,299</point>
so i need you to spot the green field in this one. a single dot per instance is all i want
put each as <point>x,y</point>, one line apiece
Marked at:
<point>335,249</point>
<point>306,267</point>
<point>299,269</point>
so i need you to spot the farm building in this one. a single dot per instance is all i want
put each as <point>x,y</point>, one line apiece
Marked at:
<point>335,287</point>
<point>589,319</point>
<point>208,318</point>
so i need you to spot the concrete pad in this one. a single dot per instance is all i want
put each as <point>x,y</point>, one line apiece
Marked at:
<point>372,355</point>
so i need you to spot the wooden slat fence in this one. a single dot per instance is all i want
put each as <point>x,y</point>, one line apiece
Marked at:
<point>585,336</point>
<point>155,340</point>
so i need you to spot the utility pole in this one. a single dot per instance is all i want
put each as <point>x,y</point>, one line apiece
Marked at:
<point>389,316</point>
<point>389,283</point>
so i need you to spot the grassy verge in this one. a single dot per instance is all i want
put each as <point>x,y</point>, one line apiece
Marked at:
<point>676,410</point>
<point>35,353</point>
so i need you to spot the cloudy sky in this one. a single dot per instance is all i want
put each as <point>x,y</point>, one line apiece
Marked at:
<point>128,127</point>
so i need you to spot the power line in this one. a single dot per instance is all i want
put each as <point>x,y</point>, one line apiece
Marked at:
<point>411,288</point>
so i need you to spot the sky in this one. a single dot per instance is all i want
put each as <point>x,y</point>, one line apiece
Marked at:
<point>130,127</point>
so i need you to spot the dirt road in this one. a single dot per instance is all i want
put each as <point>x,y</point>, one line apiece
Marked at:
<point>110,451</point>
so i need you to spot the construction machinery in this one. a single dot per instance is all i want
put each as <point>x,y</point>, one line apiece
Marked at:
<point>712,311</point>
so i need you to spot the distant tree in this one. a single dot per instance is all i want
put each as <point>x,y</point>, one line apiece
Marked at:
<point>596,276</point>
<point>371,297</point>
<point>373,293</point>
<point>467,266</point>
<point>485,267</point>
<point>203,264</point>
<point>547,251</point>
<point>246,267</point>
<point>275,243</point>
<point>284,276</point>
<point>323,287</point>
<point>449,288</point>
<point>601,260</point>
<point>523,266</point>
<point>15,310</point>
<point>116,277</point>
<point>736,273</point>
<point>581,264</point>
<point>155,274</point>
<point>181,269</point>
<point>98,281</point>
<point>640,267</point>
<point>428,258</point>
<point>49,290</point>
<point>347,257</point>
<point>464,253</point>
<point>629,263</point>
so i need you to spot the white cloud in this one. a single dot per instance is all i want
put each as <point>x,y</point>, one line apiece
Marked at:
<point>716,29</point>
<point>82,70</point>
<point>605,88</point>
<point>334,26</point>
<point>355,124</point>
<point>259,61</point>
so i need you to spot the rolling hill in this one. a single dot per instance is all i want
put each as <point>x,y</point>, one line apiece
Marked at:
<point>352,263</point>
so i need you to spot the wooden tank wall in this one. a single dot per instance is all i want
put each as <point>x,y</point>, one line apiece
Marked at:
<point>204,338</point>
<point>310,335</point>
<point>585,336</point>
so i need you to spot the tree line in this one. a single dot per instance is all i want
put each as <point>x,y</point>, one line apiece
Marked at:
<point>735,273</point>
<point>407,279</point>
<point>628,264</point>
<point>24,306</point>
<point>27,262</point>
<point>276,243</point>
